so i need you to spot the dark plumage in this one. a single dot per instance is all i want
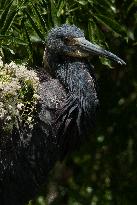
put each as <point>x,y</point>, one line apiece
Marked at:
<point>66,113</point>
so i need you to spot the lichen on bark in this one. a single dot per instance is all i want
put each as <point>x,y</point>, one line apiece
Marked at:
<point>18,96</point>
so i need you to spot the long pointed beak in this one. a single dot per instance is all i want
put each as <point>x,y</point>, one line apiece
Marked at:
<point>90,48</point>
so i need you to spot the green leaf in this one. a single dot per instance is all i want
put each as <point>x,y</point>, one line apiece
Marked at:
<point>95,35</point>
<point>8,49</point>
<point>82,2</point>
<point>106,62</point>
<point>41,19</point>
<point>5,14</point>
<point>105,4</point>
<point>111,24</point>
<point>3,3</point>
<point>44,3</point>
<point>9,21</point>
<point>54,13</point>
<point>131,6</point>
<point>102,9</point>
<point>28,38</point>
<point>34,26</point>
<point>60,8</point>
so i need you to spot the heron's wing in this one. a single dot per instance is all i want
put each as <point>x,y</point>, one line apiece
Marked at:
<point>68,124</point>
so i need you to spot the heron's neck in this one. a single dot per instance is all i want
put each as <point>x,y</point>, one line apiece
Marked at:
<point>80,84</point>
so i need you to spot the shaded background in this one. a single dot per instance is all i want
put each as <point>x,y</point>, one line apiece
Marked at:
<point>104,170</point>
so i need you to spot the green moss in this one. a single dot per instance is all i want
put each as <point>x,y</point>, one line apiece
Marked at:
<point>18,95</point>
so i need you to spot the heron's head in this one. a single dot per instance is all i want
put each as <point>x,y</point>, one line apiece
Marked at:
<point>69,40</point>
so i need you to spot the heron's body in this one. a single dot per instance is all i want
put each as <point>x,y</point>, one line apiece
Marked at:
<point>68,104</point>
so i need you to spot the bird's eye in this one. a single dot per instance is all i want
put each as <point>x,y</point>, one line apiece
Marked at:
<point>67,40</point>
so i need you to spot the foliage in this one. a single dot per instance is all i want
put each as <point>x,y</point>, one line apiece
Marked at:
<point>24,24</point>
<point>104,171</point>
